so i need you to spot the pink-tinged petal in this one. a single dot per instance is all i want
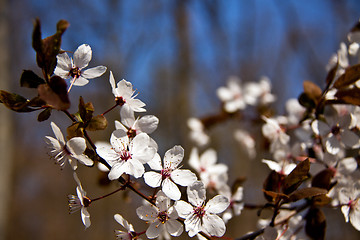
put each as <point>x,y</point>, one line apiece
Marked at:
<point>350,139</point>
<point>173,157</point>
<point>85,217</point>
<point>94,72</point>
<point>196,193</point>
<point>155,162</point>
<point>117,170</point>
<point>148,123</point>
<point>136,105</point>
<point>332,145</point>
<point>76,145</point>
<point>63,62</point>
<point>154,229</point>
<point>147,212</point>
<point>214,225</point>
<point>124,223</point>
<point>82,56</point>
<point>80,81</point>
<point>59,136</point>
<point>183,208</point>
<point>217,204</point>
<point>183,177</point>
<point>152,179</point>
<point>135,168</point>
<point>170,189</point>
<point>174,227</point>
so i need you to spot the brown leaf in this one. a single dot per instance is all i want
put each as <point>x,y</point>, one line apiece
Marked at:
<point>306,193</point>
<point>315,224</point>
<point>312,90</point>
<point>323,179</point>
<point>272,183</point>
<point>30,79</point>
<point>321,200</point>
<point>296,177</point>
<point>75,130</point>
<point>98,122</point>
<point>86,110</point>
<point>350,76</point>
<point>349,96</point>
<point>44,115</point>
<point>16,102</point>
<point>55,93</point>
<point>275,196</point>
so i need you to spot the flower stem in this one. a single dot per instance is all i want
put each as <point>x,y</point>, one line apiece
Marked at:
<point>116,104</point>
<point>109,194</point>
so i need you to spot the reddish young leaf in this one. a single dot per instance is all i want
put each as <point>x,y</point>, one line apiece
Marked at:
<point>272,184</point>
<point>306,193</point>
<point>323,179</point>
<point>321,200</point>
<point>98,122</point>
<point>349,96</point>
<point>30,79</point>
<point>55,93</point>
<point>296,177</point>
<point>16,102</point>
<point>312,90</point>
<point>351,75</point>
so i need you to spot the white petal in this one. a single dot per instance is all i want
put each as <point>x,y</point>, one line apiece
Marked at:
<point>63,62</point>
<point>124,223</point>
<point>155,162</point>
<point>80,81</point>
<point>147,212</point>
<point>94,72</point>
<point>54,143</point>
<point>136,168</point>
<point>217,204</point>
<point>76,145</point>
<point>332,145</point>
<point>174,227</point>
<point>148,123</point>
<point>59,136</point>
<point>355,218</point>
<point>152,179</point>
<point>85,217</point>
<point>194,160</point>
<point>154,229</point>
<point>183,208</point>
<point>173,157</point>
<point>82,56</point>
<point>208,158</point>
<point>84,159</point>
<point>214,225</point>
<point>183,177</point>
<point>136,105</point>
<point>320,128</point>
<point>350,139</point>
<point>170,189</point>
<point>196,193</point>
<point>116,171</point>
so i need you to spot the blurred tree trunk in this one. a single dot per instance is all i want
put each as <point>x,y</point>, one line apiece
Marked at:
<point>5,120</point>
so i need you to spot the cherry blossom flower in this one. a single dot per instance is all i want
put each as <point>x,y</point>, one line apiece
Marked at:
<point>212,174</point>
<point>283,167</point>
<point>275,133</point>
<point>69,68</point>
<point>131,126</point>
<point>72,150</point>
<point>161,217</point>
<point>130,232</point>
<point>349,197</point>
<point>197,132</point>
<point>200,216</point>
<point>235,199</point>
<point>170,174</point>
<point>336,133</point>
<point>127,156</point>
<point>81,201</point>
<point>259,93</point>
<point>123,93</point>
<point>232,96</point>
<point>246,140</point>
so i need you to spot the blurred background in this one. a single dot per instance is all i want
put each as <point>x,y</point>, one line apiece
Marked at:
<point>176,53</point>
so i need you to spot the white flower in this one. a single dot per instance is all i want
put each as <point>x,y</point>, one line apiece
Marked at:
<point>72,150</point>
<point>258,93</point>
<point>130,232</point>
<point>161,217</point>
<point>336,133</point>
<point>246,140</point>
<point>69,68</point>
<point>275,133</point>
<point>197,132</point>
<point>123,93</point>
<point>284,167</point>
<point>80,201</point>
<point>170,174</point>
<point>127,157</point>
<point>200,216</point>
<point>131,126</point>
<point>232,96</point>
<point>349,198</point>
<point>212,174</point>
<point>235,199</point>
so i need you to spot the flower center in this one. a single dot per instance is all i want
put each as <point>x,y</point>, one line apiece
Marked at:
<point>75,72</point>
<point>162,216</point>
<point>86,201</point>
<point>125,155</point>
<point>165,173</point>
<point>335,129</point>
<point>199,211</point>
<point>120,101</point>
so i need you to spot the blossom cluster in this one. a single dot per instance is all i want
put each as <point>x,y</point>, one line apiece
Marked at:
<point>320,129</point>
